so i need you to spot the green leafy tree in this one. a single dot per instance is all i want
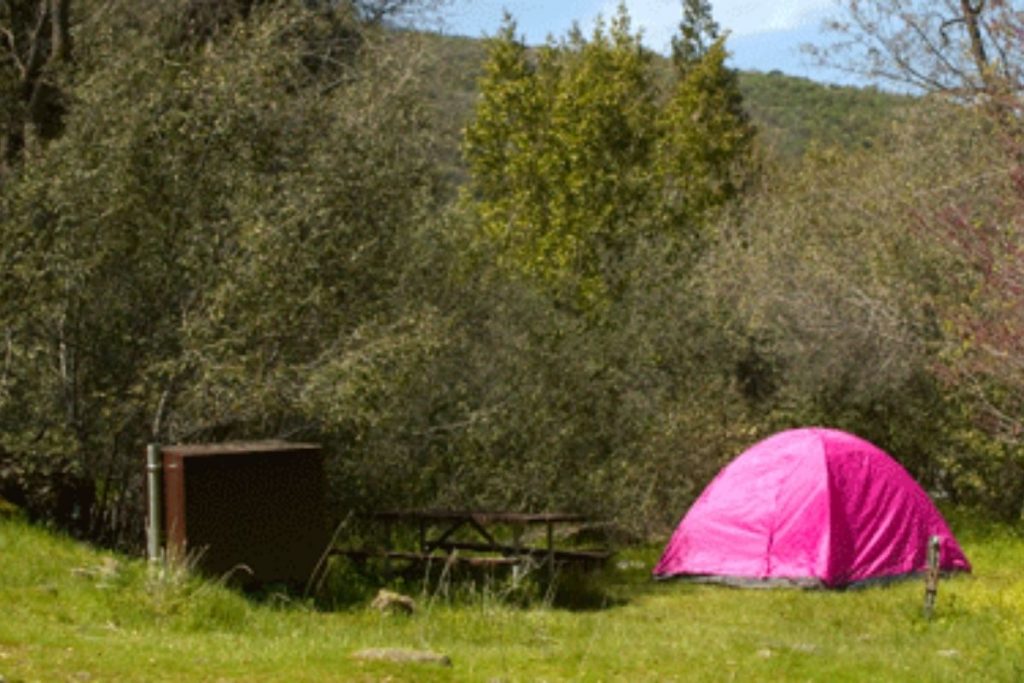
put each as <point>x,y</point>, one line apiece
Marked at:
<point>706,138</point>
<point>698,31</point>
<point>584,180</point>
<point>876,290</point>
<point>969,52</point>
<point>705,155</point>
<point>559,150</point>
<point>572,162</point>
<point>214,231</point>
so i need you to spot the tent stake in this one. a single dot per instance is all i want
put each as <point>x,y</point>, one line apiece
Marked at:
<point>931,581</point>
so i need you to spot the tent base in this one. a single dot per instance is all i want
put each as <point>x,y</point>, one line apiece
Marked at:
<point>802,583</point>
<point>746,581</point>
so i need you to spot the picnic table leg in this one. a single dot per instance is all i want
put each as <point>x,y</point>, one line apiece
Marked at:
<point>387,549</point>
<point>517,550</point>
<point>551,547</point>
<point>517,539</point>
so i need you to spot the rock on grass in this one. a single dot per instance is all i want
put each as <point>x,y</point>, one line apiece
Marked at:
<point>389,654</point>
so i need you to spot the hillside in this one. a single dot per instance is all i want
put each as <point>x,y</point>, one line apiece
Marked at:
<point>794,113</point>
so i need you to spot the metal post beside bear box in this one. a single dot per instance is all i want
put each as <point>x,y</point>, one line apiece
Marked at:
<point>251,509</point>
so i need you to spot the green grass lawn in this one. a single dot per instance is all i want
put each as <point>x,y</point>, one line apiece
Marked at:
<point>71,613</point>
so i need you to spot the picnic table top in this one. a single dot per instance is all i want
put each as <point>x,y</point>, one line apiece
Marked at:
<point>480,516</point>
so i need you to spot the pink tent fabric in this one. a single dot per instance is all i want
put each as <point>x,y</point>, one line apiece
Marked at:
<point>809,506</point>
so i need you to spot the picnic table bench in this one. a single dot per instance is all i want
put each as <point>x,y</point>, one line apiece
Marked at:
<point>471,538</point>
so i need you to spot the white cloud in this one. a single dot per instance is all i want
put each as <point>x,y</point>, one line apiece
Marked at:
<point>746,18</point>
<point>660,18</point>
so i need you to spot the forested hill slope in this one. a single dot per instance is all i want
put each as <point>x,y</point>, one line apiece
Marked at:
<point>794,113</point>
<point>791,113</point>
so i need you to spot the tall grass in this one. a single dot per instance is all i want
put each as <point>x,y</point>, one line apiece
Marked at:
<point>68,612</point>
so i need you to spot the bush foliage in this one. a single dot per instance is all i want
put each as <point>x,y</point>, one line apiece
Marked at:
<point>251,225</point>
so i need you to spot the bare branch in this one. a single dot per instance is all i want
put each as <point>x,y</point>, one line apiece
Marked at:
<point>971,17</point>
<point>60,31</point>
<point>12,47</point>
<point>36,57</point>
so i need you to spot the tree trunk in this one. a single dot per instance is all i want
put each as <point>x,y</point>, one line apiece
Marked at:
<point>32,44</point>
<point>972,16</point>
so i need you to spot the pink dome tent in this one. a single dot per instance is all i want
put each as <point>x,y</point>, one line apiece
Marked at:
<point>812,507</point>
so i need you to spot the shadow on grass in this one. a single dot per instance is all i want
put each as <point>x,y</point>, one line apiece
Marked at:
<point>349,585</point>
<point>586,591</point>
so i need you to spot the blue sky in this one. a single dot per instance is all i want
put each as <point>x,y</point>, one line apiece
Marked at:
<point>763,35</point>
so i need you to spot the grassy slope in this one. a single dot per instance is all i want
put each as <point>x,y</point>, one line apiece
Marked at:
<point>70,613</point>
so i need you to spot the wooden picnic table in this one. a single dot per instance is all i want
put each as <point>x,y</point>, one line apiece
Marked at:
<point>472,537</point>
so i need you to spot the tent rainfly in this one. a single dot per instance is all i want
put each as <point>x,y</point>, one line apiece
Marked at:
<point>809,507</point>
